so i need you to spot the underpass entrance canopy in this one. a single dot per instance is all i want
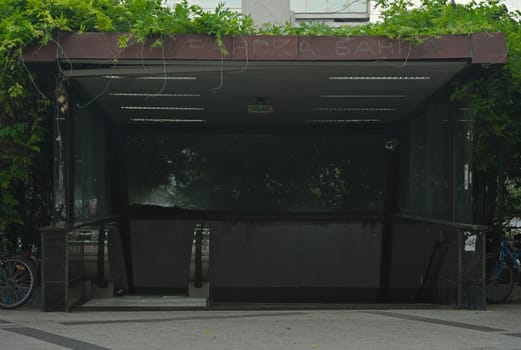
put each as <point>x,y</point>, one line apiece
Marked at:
<point>300,79</point>
<point>316,168</point>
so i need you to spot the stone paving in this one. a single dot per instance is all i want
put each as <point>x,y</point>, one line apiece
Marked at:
<point>497,328</point>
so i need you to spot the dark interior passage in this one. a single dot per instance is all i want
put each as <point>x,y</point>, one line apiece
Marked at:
<point>294,213</point>
<point>258,191</point>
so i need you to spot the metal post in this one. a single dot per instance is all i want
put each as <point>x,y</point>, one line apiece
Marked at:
<point>198,280</point>
<point>471,284</point>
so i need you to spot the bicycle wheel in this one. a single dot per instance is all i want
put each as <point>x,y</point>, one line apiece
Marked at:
<point>17,282</point>
<point>499,280</point>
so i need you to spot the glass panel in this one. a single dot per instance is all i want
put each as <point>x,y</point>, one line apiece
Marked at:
<point>329,6</point>
<point>90,192</point>
<point>463,167</point>
<point>428,185</point>
<point>59,169</point>
<point>258,172</point>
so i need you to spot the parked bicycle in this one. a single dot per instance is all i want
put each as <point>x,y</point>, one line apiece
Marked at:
<point>18,276</point>
<point>501,267</point>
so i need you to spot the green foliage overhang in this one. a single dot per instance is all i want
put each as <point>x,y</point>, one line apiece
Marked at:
<point>23,105</point>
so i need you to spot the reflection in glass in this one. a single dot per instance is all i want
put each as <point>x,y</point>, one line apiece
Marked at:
<point>428,186</point>
<point>463,166</point>
<point>257,172</point>
<point>90,190</point>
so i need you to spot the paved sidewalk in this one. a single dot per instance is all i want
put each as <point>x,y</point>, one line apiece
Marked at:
<point>497,328</point>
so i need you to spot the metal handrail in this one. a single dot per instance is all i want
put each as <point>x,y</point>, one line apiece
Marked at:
<point>103,220</point>
<point>454,224</point>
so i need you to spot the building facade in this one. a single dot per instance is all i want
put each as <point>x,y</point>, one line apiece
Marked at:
<point>331,12</point>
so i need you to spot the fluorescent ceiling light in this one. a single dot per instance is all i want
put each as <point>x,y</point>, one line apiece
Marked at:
<point>148,77</point>
<point>166,120</point>
<point>156,108</point>
<point>363,96</point>
<point>402,77</point>
<point>166,78</point>
<point>352,121</point>
<point>113,77</point>
<point>138,94</point>
<point>355,109</point>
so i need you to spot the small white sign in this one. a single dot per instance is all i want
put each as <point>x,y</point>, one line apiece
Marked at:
<point>470,242</point>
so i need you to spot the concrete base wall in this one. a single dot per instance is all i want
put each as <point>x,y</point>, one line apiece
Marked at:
<point>161,255</point>
<point>295,261</point>
<point>322,260</point>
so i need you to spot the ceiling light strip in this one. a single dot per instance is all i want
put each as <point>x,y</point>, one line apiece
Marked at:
<point>355,109</point>
<point>157,108</point>
<point>165,78</point>
<point>113,77</point>
<point>148,77</point>
<point>353,121</point>
<point>363,96</point>
<point>166,120</point>
<point>138,94</point>
<point>400,77</point>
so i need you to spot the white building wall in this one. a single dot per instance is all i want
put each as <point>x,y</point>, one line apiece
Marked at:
<point>209,5</point>
<point>267,11</point>
<point>333,12</point>
<point>280,11</point>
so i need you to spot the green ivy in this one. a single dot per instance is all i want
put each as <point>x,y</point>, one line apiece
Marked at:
<point>23,108</point>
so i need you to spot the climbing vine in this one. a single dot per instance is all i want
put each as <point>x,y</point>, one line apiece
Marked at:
<point>25,104</point>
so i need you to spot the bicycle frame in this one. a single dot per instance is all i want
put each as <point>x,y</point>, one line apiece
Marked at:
<point>508,254</point>
<point>507,249</point>
<point>3,245</point>
<point>18,277</point>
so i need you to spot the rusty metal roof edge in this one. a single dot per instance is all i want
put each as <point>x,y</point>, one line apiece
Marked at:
<point>478,48</point>
<point>488,48</point>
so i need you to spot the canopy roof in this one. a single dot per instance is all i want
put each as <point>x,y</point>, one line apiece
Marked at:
<point>263,79</point>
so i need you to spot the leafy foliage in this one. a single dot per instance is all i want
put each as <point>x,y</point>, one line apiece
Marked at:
<point>494,98</point>
<point>23,108</point>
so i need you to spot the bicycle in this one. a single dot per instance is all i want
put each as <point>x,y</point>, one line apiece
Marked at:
<point>500,268</point>
<point>18,277</point>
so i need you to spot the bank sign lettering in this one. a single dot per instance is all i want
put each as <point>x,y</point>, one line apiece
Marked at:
<point>313,48</point>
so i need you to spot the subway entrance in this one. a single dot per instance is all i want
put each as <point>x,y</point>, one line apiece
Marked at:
<point>270,179</point>
<point>290,214</point>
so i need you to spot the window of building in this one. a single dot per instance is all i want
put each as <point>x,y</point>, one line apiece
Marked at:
<point>329,6</point>
<point>210,5</point>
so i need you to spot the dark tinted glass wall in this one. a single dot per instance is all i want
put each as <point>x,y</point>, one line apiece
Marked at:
<point>463,164</point>
<point>257,172</point>
<point>91,197</point>
<point>427,163</point>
